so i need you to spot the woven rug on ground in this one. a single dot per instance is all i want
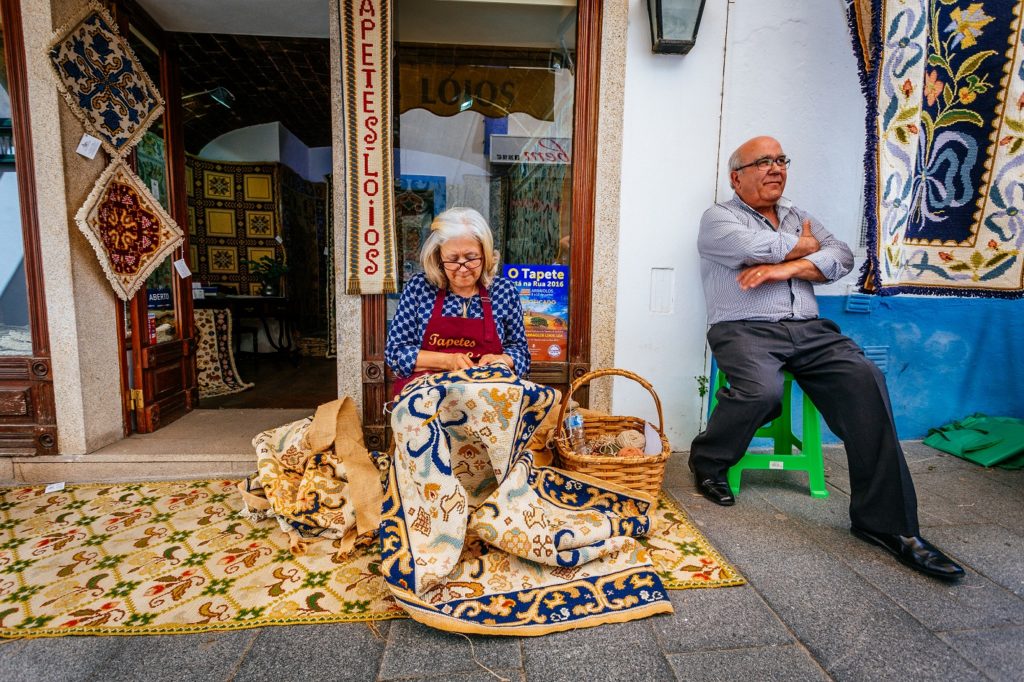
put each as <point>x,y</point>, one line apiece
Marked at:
<point>128,228</point>
<point>103,82</point>
<point>182,556</point>
<point>215,354</point>
<point>944,194</point>
<point>370,267</point>
<point>475,538</point>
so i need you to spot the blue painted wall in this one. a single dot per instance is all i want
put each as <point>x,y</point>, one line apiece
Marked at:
<point>947,357</point>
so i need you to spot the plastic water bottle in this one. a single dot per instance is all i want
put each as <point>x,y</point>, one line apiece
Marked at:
<point>574,429</point>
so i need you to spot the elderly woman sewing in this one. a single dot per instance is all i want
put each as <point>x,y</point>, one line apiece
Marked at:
<point>456,314</point>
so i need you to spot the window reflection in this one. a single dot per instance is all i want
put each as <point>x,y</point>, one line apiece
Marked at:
<point>15,331</point>
<point>485,96</point>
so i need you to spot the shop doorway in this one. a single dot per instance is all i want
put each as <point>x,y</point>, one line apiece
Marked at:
<point>241,159</point>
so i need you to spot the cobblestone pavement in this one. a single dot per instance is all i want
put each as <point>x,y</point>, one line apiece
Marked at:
<point>820,604</point>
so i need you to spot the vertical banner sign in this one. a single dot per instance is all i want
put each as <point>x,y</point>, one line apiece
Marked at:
<point>366,86</point>
<point>544,293</point>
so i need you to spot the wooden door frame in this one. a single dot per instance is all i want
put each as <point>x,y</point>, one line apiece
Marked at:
<point>152,413</point>
<point>26,383</point>
<point>586,105</point>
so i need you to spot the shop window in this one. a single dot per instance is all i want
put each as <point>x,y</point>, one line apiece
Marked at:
<point>485,99</point>
<point>15,326</point>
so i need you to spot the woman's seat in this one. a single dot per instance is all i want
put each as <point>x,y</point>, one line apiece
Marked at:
<point>808,457</point>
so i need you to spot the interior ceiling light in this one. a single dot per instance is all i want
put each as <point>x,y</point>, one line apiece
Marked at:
<point>219,94</point>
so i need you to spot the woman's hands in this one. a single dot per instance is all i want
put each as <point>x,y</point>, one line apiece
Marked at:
<point>434,361</point>
<point>501,359</point>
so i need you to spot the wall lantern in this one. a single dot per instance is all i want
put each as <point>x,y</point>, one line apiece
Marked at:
<point>674,24</point>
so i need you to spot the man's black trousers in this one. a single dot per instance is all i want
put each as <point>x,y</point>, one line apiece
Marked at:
<point>848,390</point>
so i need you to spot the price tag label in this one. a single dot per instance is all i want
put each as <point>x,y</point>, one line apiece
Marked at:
<point>154,187</point>
<point>88,146</point>
<point>54,487</point>
<point>278,239</point>
<point>182,267</point>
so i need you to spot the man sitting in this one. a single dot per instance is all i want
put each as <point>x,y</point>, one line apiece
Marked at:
<point>759,257</point>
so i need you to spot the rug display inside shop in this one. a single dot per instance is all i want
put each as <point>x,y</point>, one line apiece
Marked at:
<point>259,229</point>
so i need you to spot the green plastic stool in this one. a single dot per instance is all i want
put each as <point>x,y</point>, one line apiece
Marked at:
<point>809,456</point>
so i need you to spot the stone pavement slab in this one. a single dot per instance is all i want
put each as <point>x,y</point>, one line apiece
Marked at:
<point>998,652</point>
<point>610,653</point>
<point>339,652</point>
<point>162,658</point>
<point>719,618</point>
<point>769,664</point>
<point>415,650</point>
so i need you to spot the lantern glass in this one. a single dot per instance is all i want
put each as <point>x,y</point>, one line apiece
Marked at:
<point>674,24</point>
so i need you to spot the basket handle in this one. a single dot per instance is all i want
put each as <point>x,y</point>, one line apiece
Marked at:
<point>596,374</point>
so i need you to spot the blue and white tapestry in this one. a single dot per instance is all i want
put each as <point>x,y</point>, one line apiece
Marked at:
<point>103,82</point>
<point>475,538</point>
<point>944,82</point>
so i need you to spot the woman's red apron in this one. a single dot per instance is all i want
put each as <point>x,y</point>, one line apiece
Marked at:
<point>476,336</point>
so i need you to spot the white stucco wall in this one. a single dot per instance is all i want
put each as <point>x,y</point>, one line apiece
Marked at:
<point>779,67</point>
<point>252,143</point>
<point>270,142</point>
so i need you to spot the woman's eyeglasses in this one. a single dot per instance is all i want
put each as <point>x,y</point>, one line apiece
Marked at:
<point>765,162</point>
<point>455,265</point>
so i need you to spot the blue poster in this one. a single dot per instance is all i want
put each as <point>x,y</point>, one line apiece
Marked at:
<point>544,292</point>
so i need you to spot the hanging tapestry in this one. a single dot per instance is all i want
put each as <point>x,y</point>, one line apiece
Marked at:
<point>234,217</point>
<point>944,186</point>
<point>370,265</point>
<point>129,229</point>
<point>475,538</point>
<point>103,82</point>
<point>216,372</point>
<point>538,213</point>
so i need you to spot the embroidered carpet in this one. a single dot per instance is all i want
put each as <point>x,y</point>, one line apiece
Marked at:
<point>103,82</point>
<point>128,228</point>
<point>177,557</point>
<point>475,538</point>
<point>215,355</point>
<point>944,82</point>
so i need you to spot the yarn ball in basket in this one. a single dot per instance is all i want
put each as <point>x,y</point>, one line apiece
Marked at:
<point>631,438</point>
<point>631,452</point>
<point>604,444</point>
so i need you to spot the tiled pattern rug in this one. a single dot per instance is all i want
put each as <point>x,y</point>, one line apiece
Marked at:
<point>177,557</point>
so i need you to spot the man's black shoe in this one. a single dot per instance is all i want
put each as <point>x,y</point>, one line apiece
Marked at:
<point>715,489</point>
<point>916,552</point>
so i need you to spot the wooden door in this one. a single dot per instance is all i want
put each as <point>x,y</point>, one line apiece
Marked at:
<point>377,379</point>
<point>162,334</point>
<point>28,420</point>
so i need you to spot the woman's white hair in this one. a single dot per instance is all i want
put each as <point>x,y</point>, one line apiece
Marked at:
<point>452,224</point>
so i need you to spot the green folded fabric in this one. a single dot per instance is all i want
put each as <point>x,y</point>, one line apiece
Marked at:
<point>984,440</point>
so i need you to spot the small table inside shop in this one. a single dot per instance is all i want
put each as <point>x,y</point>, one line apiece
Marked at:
<point>261,308</point>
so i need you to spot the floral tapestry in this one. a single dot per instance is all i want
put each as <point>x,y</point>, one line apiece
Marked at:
<point>944,191</point>
<point>103,82</point>
<point>128,228</point>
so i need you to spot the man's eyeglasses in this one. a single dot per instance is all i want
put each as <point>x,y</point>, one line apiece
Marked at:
<point>469,264</point>
<point>765,162</point>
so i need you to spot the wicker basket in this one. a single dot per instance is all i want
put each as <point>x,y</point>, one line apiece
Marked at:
<point>644,473</point>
